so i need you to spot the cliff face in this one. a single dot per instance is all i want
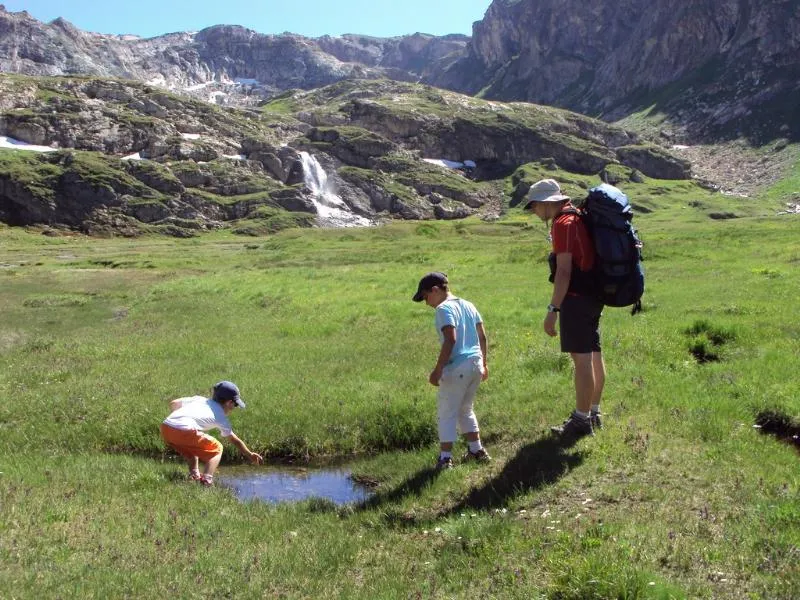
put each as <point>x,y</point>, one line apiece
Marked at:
<point>712,69</point>
<point>706,64</point>
<point>224,64</point>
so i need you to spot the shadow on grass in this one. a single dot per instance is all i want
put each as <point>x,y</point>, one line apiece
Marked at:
<point>536,465</point>
<point>411,486</point>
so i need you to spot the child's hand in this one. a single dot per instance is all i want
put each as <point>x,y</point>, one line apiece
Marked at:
<point>435,376</point>
<point>256,459</point>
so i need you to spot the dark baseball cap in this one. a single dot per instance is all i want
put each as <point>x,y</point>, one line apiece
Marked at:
<point>427,283</point>
<point>227,390</point>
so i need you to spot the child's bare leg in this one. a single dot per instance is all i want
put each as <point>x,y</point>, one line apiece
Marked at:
<point>210,468</point>
<point>212,464</point>
<point>194,467</point>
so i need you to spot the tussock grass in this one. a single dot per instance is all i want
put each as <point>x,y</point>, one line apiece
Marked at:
<point>677,497</point>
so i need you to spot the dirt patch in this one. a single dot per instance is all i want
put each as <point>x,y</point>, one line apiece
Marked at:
<point>737,169</point>
<point>9,339</point>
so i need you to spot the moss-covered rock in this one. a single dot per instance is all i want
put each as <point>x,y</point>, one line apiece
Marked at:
<point>207,164</point>
<point>654,162</point>
<point>64,187</point>
<point>351,145</point>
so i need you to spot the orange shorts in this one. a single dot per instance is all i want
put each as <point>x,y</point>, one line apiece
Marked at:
<point>191,443</point>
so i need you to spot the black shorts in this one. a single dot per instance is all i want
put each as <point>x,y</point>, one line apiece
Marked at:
<point>579,324</point>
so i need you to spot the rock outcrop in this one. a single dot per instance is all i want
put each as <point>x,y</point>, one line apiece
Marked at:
<point>127,154</point>
<point>714,68</point>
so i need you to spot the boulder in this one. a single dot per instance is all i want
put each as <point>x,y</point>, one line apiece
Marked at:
<point>294,199</point>
<point>417,210</point>
<point>654,162</point>
<point>147,212</point>
<point>451,210</point>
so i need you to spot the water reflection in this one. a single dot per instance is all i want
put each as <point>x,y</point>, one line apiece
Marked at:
<point>275,485</point>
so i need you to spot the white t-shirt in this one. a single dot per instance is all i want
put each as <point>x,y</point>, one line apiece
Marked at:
<point>198,413</point>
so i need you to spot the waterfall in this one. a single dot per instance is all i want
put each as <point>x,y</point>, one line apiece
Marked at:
<point>332,210</point>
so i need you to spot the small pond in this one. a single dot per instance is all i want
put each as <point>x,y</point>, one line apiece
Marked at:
<point>292,484</point>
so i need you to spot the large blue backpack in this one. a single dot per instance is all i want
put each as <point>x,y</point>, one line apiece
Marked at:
<point>618,272</point>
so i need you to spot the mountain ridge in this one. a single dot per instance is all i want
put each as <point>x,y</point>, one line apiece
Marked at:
<point>713,70</point>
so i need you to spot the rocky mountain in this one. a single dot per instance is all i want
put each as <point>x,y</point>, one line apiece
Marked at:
<point>229,127</point>
<point>712,69</point>
<point>126,157</point>
<point>226,64</point>
<point>703,70</point>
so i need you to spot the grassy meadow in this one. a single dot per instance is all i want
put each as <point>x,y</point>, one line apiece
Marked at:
<point>677,497</point>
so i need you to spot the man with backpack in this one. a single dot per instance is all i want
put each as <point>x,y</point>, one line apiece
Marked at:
<point>574,301</point>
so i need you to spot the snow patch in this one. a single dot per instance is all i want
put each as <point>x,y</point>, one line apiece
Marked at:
<point>136,156</point>
<point>450,164</point>
<point>217,97</point>
<point>197,86</point>
<point>190,136</point>
<point>8,142</point>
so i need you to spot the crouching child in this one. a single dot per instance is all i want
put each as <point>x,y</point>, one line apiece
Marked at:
<point>184,430</point>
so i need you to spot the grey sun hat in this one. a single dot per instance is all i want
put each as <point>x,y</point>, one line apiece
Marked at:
<point>227,390</point>
<point>544,190</point>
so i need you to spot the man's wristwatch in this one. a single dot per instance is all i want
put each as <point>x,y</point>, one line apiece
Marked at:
<point>553,308</point>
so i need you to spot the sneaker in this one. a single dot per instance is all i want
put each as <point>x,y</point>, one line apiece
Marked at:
<point>194,475</point>
<point>480,456</point>
<point>574,427</point>
<point>444,463</point>
<point>207,480</point>
<point>597,421</point>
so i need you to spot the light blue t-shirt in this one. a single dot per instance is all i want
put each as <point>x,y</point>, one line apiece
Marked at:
<point>462,315</point>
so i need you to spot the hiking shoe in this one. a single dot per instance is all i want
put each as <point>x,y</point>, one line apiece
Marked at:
<point>480,456</point>
<point>574,427</point>
<point>597,421</point>
<point>444,463</point>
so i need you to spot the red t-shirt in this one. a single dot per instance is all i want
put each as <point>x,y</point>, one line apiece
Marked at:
<point>570,235</point>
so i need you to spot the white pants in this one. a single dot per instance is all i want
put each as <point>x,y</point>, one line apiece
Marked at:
<point>457,389</point>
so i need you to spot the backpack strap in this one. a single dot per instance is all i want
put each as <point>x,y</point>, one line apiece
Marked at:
<point>581,282</point>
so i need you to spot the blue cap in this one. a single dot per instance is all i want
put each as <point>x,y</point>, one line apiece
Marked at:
<point>227,390</point>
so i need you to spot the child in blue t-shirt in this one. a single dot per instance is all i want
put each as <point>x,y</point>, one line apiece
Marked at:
<point>460,368</point>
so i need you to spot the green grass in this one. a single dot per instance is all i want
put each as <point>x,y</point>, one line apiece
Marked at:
<point>788,188</point>
<point>677,497</point>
